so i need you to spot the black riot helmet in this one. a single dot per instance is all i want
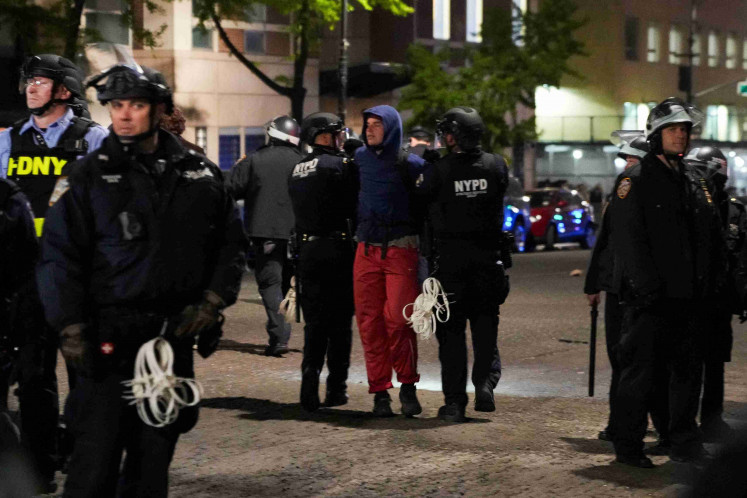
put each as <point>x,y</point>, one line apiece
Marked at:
<point>711,162</point>
<point>321,122</point>
<point>282,130</point>
<point>465,124</point>
<point>670,111</point>
<point>131,81</point>
<point>62,72</point>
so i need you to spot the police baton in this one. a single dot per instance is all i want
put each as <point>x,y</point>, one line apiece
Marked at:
<point>593,348</point>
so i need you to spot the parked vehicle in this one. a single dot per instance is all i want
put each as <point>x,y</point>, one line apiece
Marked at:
<point>560,215</point>
<point>516,216</point>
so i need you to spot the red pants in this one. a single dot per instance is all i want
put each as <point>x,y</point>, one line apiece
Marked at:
<point>382,287</point>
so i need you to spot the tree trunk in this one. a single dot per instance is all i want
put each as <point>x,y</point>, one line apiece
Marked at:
<point>74,13</point>
<point>299,64</point>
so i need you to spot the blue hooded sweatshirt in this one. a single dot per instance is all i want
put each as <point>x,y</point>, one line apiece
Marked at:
<point>384,200</point>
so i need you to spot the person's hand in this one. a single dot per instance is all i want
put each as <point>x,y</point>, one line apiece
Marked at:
<point>431,155</point>
<point>594,299</point>
<point>77,352</point>
<point>198,317</point>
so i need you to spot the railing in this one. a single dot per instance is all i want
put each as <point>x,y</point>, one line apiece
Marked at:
<point>577,128</point>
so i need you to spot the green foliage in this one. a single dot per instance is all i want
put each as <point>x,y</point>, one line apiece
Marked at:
<point>501,72</point>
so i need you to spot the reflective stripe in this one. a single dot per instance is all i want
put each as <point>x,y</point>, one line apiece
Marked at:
<point>38,224</point>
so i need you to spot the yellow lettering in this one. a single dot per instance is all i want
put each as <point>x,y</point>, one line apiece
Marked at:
<point>58,165</point>
<point>41,165</point>
<point>25,165</point>
<point>11,166</point>
<point>38,224</point>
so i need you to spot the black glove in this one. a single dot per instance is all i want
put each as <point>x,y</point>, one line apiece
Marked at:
<point>77,352</point>
<point>198,317</point>
<point>431,155</point>
<point>351,145</point>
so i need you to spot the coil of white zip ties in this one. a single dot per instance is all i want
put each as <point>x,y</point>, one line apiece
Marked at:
<point>154,388</point>
<point>430,307</point>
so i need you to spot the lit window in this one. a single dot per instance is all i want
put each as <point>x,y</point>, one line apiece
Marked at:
<point>731,51</point>
<point>713,49</point>
<point>635,115</point>
<point>441,19</point>
<point>201,137</point>
<point>744,54</point>
<point>254,42</point>
<point>654,43</point>
<point>202,38</point>
<point>675,44</point>
<point>229,147</point>
<point>697,48</point>
<point>474,20</point>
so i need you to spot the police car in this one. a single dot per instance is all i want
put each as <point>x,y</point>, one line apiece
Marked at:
<point>560,215</point>
<point>516,216</point>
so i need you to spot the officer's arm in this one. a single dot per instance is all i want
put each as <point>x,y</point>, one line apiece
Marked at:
<point>238,182</point>
<point>591,285</point>
<point>231,257</point>
<point>351,181</point>
<point>630,242</point>
<point>23,246</point>
<point>64,266</point>
<point>4,152</point>
<point>95,137</point>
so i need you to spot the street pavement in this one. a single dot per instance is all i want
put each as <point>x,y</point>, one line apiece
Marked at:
<point>254,440</point>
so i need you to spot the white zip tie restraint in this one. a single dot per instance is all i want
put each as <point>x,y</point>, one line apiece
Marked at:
<point>154,388</point>
<point>429,307</point>
<point>288,305</point>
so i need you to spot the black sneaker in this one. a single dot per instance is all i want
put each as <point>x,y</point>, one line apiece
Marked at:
<point>452,413</point>
<point>383,404</point>
<point>484,399</point>
<point>310,391</point>
<point>636,460</point>
<point>409,399</point>
<point>277,350</point>
<point>336,398</point>
<point>605,435</point>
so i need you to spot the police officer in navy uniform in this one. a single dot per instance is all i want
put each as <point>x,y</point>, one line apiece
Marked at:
<point>466,190</point>
<point>324,191</point>
<point>34,153</point>
<point>261,180</point>
<point>711,163</point>
<point>667,245</point>
<point>419,140</point>
<point>143,234</point>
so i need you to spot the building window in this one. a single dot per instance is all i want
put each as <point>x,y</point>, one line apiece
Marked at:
<point>635,115</point>
<point>731,51</point>
<point>697,48</point>
<point>441,19</point>
<point>722,123</point>
<point>675,44</point>
<point>254,42</point>
<point>713,49</point>
<point>202,38</point>
<point>254,138</point>
<point>229,147</point>
<point>654,43</point>
<point>519,8</point>
<point>474,20</point>
<point>631,38</point>
<point>744,54</point>
<point>201,138</point>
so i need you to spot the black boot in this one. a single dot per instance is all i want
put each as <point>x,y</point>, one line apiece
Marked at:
<point>336,398</point>
<point>452,412</point>
<point>409,399</point>
<point>310,390</point>
<point>484,399</point>
<point>383,404</point>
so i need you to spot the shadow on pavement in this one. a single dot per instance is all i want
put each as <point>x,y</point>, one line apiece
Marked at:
<point>624,475</point>
<point>591,446</point>
<point>262,409</point>
<point>242,347</point>
<point>253,300</point>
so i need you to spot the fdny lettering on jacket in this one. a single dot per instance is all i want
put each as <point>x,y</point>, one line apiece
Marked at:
<point>302,170</point>
<point>470,188</point>
<point>26,165</point>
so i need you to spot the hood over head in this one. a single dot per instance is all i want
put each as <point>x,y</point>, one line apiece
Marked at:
<point>392,129</point>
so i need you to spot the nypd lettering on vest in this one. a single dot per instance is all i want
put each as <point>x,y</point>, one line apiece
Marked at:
<point>470,188</point>
<point>302,170</point>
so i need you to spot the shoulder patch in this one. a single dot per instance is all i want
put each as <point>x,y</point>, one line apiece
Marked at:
<point>62,186</point>
<point>197,174</point>
<point>623,188</point>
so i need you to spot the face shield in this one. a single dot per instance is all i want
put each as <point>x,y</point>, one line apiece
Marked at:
<point>624,139</point>
<point>673,111</point>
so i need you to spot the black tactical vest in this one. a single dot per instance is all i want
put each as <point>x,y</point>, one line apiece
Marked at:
<point>35,167</point>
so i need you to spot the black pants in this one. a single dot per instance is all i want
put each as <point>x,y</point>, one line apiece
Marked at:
<point>326,275</point>
<point>273,282</point>
<point>473,283</point>
<point>660,358</point>
<point>717,344</point>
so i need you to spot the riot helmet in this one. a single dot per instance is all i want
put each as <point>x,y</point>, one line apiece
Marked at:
<point>631,143</point>
<point>323,122</point>
<point>131,81</point>
<point>465,124</point>
<point>669,112</point>
<point>283,129</point>
<point>62,72</point>
<point>711,162</point>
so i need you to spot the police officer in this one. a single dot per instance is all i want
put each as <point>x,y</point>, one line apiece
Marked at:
<point>34,153</point>
<point>261,180</point>
<point>666,246</point>
<point>419,140</point>
<point>324,191</point>
<point>145,234</point>
<point>633,147</point>
<point>466,190</point>
<point>711,163</point>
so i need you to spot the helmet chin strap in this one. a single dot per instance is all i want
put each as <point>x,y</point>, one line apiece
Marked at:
<point>40,111</point>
